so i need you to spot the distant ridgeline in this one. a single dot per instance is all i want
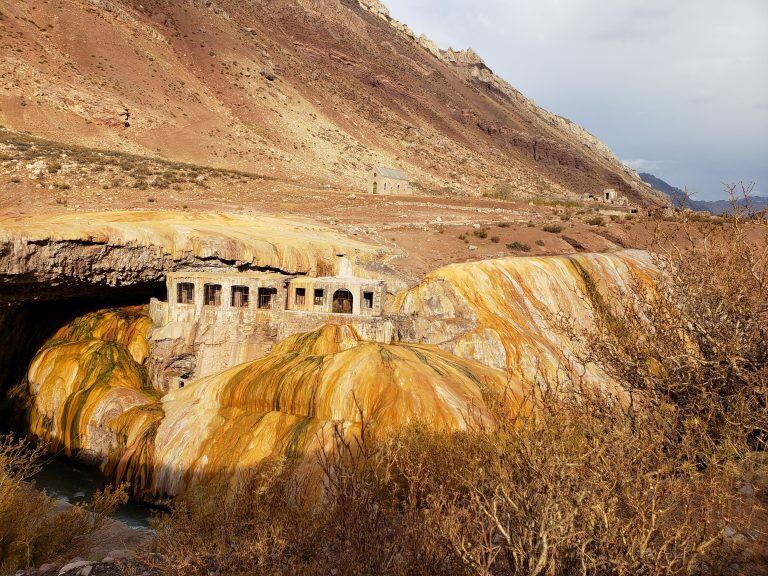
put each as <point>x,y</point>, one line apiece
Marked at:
<point>679,198</point>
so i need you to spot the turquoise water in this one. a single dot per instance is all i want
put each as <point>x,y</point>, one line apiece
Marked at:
<point>74,483</point>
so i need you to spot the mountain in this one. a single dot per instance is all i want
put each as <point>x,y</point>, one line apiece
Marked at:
<point>680,199</point>
<point>315,91</point>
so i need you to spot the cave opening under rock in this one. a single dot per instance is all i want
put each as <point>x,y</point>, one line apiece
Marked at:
<point>30,314</point>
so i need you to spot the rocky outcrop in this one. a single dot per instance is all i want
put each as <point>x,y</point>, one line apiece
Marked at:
<point>467,333</point>
<point>509,313</point>
<point>86,394</point>
<point>66,255</point>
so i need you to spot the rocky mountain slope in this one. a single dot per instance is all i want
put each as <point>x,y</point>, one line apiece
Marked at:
<point>312,91</point>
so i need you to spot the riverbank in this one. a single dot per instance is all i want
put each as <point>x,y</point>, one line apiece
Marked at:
<point>73,483</point>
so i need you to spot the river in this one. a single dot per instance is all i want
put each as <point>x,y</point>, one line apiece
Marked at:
<point>74,483</point>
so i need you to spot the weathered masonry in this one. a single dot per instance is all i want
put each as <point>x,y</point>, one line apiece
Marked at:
<point>243,297</point>
<point>389,181</point>
<point>337,295</point>
<point>215,320</point>
<point>246,297</point>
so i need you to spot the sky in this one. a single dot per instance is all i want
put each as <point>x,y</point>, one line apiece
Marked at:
<point>678,88</point>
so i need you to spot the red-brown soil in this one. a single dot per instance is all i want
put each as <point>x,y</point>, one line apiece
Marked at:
<point>425,232</point>
<point>307,91</point>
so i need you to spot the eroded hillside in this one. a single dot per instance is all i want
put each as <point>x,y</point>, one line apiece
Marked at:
<point>307,91</point>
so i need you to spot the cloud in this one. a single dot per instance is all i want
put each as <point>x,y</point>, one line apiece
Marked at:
<point>643,165</point>
<point>702,99</point>
<point>638,24</point>
<point>676,86</point>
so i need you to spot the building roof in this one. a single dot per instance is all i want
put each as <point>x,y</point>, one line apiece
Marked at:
<point>391,173</point>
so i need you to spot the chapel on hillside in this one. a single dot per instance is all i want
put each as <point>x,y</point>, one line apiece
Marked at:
<point>389,181</point>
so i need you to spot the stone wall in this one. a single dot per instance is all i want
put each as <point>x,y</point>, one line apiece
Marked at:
<point>194,340</point>
<point>225,311</point>
<point>357,286</point>
<point>389,186</point>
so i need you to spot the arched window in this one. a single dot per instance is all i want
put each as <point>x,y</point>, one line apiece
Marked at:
<point>342,302</point>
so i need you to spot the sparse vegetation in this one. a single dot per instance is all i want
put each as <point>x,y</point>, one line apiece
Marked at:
<point>518,246</point>
<point>481,233</point>
<point>557,203</point>
<point>31,530</point>
<point>596,221</point>
<point>502,191</point>
<point>553,228</point>
<point>117,168</point>
<point>495,239</point>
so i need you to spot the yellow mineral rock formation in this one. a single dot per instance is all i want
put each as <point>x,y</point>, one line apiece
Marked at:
<point>507,313</point>
<point>288,402</point>
<point>87,375</point>
<point>294,246</point>
<point>87,394</point>
<point>495,322</point>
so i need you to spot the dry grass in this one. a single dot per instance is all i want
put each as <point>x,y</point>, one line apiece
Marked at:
<point>667,477</point>
<point>31,531</point>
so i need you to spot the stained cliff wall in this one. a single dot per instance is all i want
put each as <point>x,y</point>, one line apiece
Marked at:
<point>468,333</point>
<point>508,313</point>
<point>65,255</point>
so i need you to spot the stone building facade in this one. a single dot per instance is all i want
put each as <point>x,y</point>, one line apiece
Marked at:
<point>240,298</point>
<point>213,320</point>
<point>389,181</point>
<point>607,196</point>
<point>337,295</point>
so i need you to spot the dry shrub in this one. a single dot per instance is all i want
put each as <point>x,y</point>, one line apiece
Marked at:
<point>552,228</point>
<point>668,477</point>
<point>691,347</point>
<point>32,531</point>
<point>578,489</point>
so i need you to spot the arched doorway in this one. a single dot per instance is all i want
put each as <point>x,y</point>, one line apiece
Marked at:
<point>342,302</point>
